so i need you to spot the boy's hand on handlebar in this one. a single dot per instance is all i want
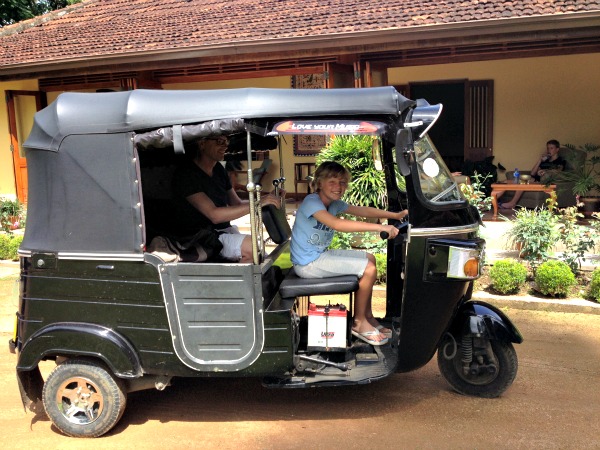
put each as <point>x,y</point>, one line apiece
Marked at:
<point>388,232</point>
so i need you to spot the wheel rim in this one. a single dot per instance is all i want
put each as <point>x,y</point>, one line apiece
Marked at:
<point>79,400</point>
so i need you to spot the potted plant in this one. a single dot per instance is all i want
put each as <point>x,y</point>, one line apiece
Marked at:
<point>586,179</point>
<point>11,212</point>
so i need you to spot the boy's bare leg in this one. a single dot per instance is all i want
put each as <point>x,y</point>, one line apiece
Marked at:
<point>362,302</point>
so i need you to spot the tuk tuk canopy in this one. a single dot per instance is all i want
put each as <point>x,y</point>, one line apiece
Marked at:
<point>85,196</point>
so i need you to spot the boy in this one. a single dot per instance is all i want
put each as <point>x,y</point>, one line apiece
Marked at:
<point>315,225</point>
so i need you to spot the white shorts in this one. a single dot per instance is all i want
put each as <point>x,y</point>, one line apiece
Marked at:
<point>334,263</point>
<point>232,239</point>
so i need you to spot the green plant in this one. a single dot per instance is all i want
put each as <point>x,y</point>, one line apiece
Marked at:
<point>9,245</point>
<point>474,193</point>
<point>508,275</point>
<point>577,239</point>
<point>554,278</point>
<point>367,187</point>
<point>11,211</point>
<point>534,233</point>
<point>381,261</point>
<point>594,292</point>
<point>586,176</point>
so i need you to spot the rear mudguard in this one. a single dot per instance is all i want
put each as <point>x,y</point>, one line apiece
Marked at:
<point>482,320</point>
<point>74,340</point>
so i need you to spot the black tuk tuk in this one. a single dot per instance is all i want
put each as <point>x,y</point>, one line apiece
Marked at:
<point>117,318</point>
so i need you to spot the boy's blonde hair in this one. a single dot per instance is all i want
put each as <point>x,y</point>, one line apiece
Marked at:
<point>329,169</point>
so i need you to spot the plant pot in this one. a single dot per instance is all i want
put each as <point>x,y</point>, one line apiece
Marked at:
<point>11,222</point>
<point>588,205</point>
<point>519,247</point>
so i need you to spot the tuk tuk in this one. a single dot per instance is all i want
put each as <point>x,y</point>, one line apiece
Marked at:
<point>117,318</point>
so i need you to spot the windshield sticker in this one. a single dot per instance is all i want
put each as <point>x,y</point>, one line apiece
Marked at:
<point>328,127</point>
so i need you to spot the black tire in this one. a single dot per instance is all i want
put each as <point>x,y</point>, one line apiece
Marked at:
<point>83,399</point>
<point>484,385</point>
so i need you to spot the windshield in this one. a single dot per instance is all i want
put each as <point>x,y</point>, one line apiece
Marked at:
<point>436,182</point>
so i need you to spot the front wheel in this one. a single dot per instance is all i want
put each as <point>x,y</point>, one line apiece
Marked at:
<point>486,370</point>
<point>83,399</point>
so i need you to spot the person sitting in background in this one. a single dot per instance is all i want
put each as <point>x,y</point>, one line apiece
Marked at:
<point>549,162</point>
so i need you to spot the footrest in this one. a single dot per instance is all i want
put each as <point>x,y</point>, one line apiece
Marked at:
<point>294,286</point>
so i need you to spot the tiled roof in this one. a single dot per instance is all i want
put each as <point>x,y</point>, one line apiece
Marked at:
<point>125,27</point>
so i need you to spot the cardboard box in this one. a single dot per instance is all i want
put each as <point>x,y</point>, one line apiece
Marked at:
<point>327,327</point>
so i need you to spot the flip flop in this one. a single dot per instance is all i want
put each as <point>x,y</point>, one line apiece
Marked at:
<point>502,206</point>
<point>365,337</point>
<point>387,334</point>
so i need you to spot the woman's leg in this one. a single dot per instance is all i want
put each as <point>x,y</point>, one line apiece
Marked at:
<point>513,201</point>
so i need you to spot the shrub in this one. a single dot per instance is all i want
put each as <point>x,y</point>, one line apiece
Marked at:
<point>508,275</point>
<point>381,260</point>
<point>595,285</point>
<point>577,239</point>
<point>474,193</point>
<point>535,232</point>
<point>554,278</point>
<point>9,244</point>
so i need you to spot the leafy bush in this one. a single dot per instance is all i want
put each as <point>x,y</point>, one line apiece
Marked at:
<point>577,239</point>
<point>367,187</point>
<point>534,233</point>
<point>474,193</point>
<point>508,275</point>
<point>554,278</point>
<point>9,244</point>
<point>595,285</point>
<point>381,260</point>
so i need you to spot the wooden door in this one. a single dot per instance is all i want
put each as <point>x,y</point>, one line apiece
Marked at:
<point>21,107</point>
<point>479,122</point>
<point>339,76</point>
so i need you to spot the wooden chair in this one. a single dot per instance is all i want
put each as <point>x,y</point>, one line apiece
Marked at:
<point>257,174</point>
<point>302,175</point>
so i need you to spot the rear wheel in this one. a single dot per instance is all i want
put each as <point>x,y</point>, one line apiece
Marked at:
<point>83,399</point>
<point>490,372</point>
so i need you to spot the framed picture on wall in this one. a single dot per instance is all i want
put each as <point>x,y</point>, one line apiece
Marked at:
<point>308,145</point>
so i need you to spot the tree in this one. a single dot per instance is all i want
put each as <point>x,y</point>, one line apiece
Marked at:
<point>12,11</point>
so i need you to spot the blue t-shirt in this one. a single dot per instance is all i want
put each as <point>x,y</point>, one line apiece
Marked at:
<point>310,237</point>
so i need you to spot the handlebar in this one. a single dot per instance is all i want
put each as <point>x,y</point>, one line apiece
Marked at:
<point>399,225</point>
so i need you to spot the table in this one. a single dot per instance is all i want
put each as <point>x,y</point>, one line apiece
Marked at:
<point>530,187</point>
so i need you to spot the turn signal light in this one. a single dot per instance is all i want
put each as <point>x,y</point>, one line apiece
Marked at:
<point>463,263</point>
<point>471,268</point>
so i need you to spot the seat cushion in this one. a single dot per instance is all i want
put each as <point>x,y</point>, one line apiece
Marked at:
<point>294,286</point>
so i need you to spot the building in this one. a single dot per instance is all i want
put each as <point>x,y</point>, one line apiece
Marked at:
<point>511,74</point>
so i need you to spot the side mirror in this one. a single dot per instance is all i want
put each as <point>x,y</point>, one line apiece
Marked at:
<point>403,143</point>
<point>423,117</point>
